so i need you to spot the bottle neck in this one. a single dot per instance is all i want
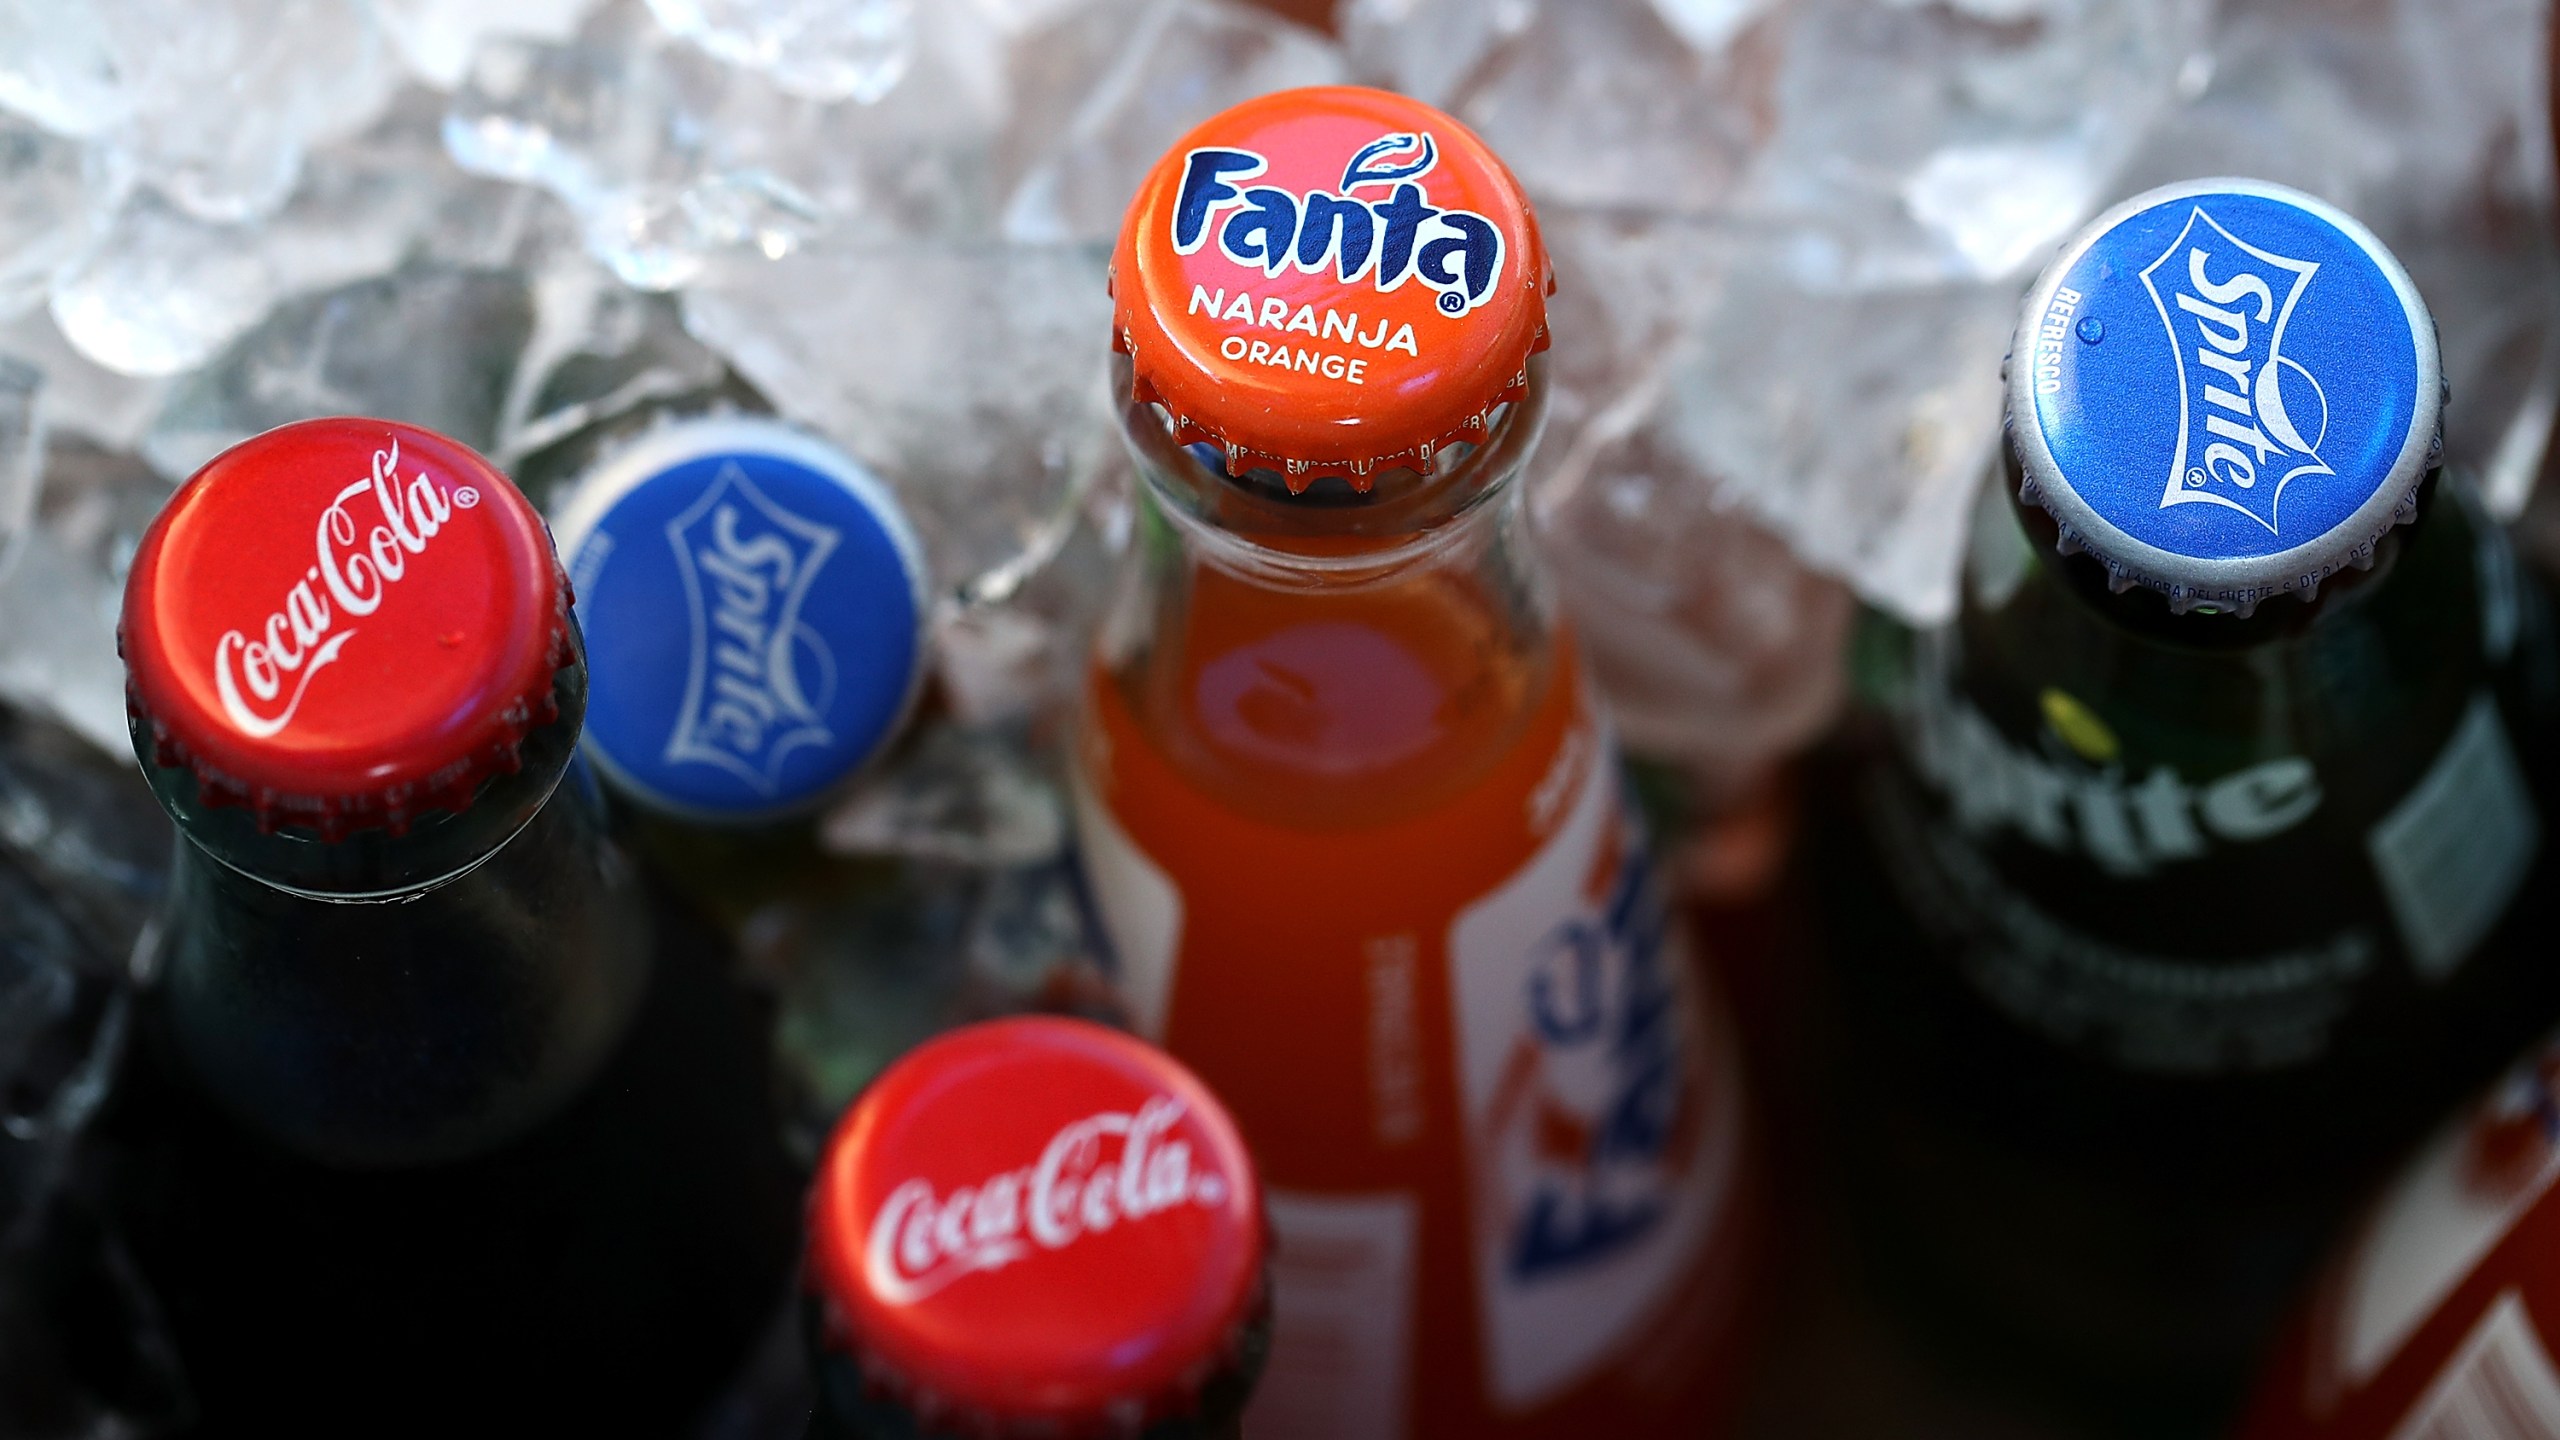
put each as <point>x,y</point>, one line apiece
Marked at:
<point>1331,533</point>
<point>378,863</point>
<point>2146,613</point>
<point>851,1406</point>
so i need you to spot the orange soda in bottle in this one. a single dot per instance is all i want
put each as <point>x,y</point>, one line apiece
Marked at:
<point>1352,816</point>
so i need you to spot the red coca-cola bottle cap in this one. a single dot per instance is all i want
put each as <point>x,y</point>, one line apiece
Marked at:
<point>343,623</point>
<point>1328,281</point>
<point>1039,1226</point>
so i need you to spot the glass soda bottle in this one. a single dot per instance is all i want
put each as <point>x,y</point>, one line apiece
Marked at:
<point>1352,815</point>
<point>441,1116</point>
<point>754,603</point>
<point>2194,866</point>
<point>2434,1321</point>
<point>1036,1226</point>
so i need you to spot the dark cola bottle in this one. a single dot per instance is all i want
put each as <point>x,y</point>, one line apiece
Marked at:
<point>1036,1226</point>
<point>2209,831</point>
<point>442,1122</point>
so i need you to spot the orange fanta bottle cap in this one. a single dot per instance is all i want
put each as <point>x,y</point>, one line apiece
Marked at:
<point>1330,281</point>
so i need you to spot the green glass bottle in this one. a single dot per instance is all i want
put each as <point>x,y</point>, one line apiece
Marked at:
<point>2211,831</point>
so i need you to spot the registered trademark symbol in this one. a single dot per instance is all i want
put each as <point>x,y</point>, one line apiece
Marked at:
<point>1452,302</point>
<point>2195,477</point>
<point>466,496</point>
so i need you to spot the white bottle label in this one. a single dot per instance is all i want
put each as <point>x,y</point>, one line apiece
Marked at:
<point>2455,848</point>
<point>1341,1317</point>
<point>1140,908</point>
<point>1603,1116</point>
<point>2445,1212</point>
<point>2499,1386</point>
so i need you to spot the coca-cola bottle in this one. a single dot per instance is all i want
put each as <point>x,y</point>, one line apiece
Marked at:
<point>441,1118</point>
<point>1353,816</point>
<point>1036,1226</point>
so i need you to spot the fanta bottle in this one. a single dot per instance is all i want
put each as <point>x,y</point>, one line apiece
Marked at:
<point>1353,817</point>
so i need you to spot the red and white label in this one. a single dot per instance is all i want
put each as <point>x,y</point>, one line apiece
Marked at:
<point>2434,1325</point>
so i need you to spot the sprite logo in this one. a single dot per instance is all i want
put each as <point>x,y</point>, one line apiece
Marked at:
<point>747,565</point>
<point>2250,420</point>
<point>2075,794</point>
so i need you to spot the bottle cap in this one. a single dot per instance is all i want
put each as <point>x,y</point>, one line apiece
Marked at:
<point>343,623</point>
<point>1039,1226</point>
<point>754,606</point>
<point>2225,390</point>
<point>1327,281</point>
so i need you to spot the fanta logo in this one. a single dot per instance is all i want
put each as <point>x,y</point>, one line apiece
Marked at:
<point>1105,1170</point>
<point>2241,435</point>
<point>747,564</point>
<point>1600,1103</point>
<point>301,636</point>
<point>1389,239</point>
<point>2062,801</point>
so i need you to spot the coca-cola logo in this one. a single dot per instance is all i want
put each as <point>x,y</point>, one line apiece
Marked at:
<point>354,564</point>
<point>1108,1169</point>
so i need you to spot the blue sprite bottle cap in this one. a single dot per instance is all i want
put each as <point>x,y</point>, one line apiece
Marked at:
<point>2225,390</point>
<point>754,606</point>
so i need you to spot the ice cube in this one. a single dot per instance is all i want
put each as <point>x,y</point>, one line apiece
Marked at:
<point>2428,120</point>
<point>212,101</point>
<point>1711,25</point>
<point>61,66</point>
<point>821,49</point>
<point>1101,91</point>
<point>81,822</point>
<point>1921,144</point>
<point>234,92</point>
<point>436,37</point>
<point>652,146</point>
<point>1854,425</point>
<point>964,796</point>
<point>969,375</point>
<point>58,653</point>
<point>21,451</point>
<point>1013,648</point>
<point>80,396</point>
<point>1429,49</point>
<point>1599,102</point>
<point>55,197</point>
<point>426,344</point>
<point>599,350</point>
<point>164,290</point>
<point>1719,651</point>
